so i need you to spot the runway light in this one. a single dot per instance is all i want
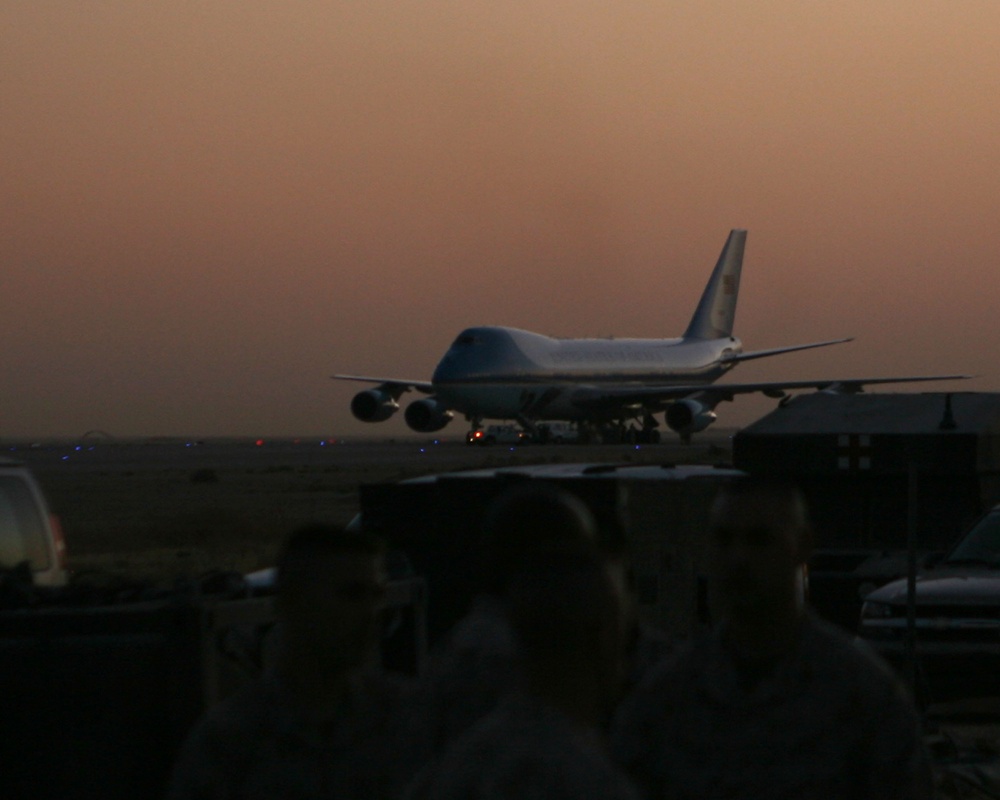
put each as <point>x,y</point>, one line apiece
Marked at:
<point>65,458</point>
<point>260,443</point>
<point>638,447</point>
<point>422,450</point>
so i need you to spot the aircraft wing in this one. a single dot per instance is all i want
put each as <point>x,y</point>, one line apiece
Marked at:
<point>618,396</point>
<point>391,384</point>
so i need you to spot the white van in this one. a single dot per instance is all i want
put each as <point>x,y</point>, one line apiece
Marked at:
<point>29,532</point>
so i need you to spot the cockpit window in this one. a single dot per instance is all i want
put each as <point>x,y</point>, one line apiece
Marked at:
<point>466,338</point>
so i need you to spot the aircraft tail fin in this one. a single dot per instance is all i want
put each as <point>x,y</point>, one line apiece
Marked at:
<point>713,319</point>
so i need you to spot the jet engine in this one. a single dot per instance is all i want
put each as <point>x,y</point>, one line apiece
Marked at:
<point>689,416</point>
<point>428,415</point>
<point>374,405</point>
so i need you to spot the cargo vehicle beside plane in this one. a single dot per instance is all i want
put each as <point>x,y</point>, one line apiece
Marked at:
<point>603,385</point>
<point>497,434</point>
<point>543,433</point>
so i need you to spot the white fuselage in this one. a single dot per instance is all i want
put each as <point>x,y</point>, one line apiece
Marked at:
<point>507,373</point>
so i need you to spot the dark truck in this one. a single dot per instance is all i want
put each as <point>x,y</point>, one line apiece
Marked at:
<point>954,636</point>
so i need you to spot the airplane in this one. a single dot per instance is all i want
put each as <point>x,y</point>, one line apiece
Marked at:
<point>602,385</point>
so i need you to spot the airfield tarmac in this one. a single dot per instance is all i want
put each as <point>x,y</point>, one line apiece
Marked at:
<point>166,508</point>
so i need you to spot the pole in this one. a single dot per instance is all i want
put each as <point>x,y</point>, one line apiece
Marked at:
<point>911,576</point>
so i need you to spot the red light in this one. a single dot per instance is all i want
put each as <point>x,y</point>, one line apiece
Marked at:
<point>260,443</point>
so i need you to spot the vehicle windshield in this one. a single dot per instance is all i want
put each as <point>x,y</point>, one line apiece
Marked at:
<point>981,544</point>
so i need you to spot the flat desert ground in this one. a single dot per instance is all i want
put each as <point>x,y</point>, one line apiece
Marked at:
<point>162,509</point>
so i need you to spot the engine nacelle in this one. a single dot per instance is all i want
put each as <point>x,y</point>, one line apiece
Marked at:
<point>689,416</point>
<point>428,415</point>
<point>373,405</point>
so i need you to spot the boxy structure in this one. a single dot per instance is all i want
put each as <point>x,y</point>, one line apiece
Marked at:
<point>436,522</point>
<point>855,457</point>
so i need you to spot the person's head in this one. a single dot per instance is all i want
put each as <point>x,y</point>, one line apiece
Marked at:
<point>330,591</point>
<point>760,540</point>
<point>527,517</point>
<point>565,611</point>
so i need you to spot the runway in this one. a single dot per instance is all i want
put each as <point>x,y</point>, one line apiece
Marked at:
<point>69,455</point>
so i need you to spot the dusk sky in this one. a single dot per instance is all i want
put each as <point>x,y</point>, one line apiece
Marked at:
<point>208,208</point>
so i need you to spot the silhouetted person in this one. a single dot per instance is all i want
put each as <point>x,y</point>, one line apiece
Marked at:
<point>645,644</point>
<point>775,703</point>
<point>546,738</point>
<point>322,725</point>
<point>476,666</point>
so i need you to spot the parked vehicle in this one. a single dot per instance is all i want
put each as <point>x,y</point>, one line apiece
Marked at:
<point>956,630</point>
<point>29,533</point>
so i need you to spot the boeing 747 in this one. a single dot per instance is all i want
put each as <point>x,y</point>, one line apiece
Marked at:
<point>605,385</point>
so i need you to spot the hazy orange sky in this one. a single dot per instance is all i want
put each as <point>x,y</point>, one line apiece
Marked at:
<point>210,207</point>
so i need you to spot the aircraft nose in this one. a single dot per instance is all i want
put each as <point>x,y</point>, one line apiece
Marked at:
<point>478,352</point>
<point>447,369</point>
